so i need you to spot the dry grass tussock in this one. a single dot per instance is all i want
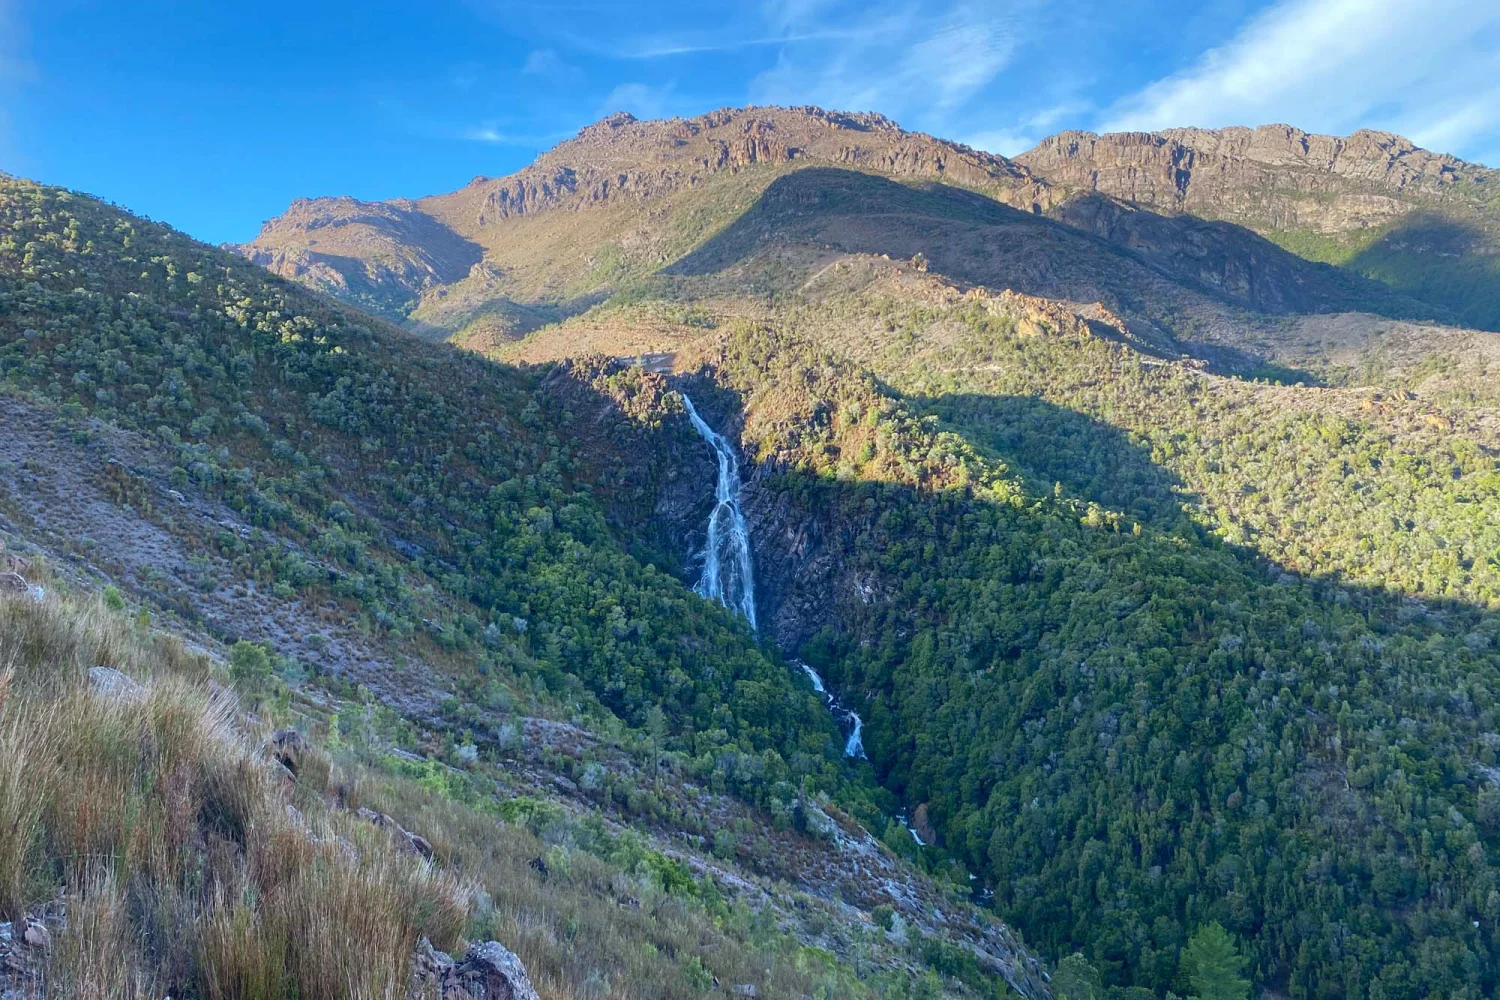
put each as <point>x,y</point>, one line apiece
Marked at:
<point>168,839</point>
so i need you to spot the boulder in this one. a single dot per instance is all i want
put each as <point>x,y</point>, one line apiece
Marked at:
<point>380,819</point>
<point>420,845</point>
<point>109,683</point>
<point>490,971</point>
<point>37,936</point>
<point>414,842</point>
<point>287,747</point>
<point>13,583</point>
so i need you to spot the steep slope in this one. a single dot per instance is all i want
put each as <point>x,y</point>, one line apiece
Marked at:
<point>1423,223</point>
<point>1127,723</point>
<point>461,574</point>
<point>1142,642</point>
<point>357,464</point>
<point>378,256</point>
<point>196,821</point>
<point>1104,611</point>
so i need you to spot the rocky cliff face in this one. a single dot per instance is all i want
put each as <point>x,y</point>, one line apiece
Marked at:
<point>625,198</point>
<point>621,157</point>
<point>1227,259</point>
<point>1275,175</point>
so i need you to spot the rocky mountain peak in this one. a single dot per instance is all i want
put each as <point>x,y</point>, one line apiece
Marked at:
<point>621,156</point>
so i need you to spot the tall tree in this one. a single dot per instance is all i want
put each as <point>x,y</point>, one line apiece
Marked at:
<point>1213,965</point>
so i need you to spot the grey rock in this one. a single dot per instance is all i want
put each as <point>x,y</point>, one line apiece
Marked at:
<point>419,845</point>
<point>287,747</point>
<point>493,972</point>
<point>111,683</point>
<point>490,971</point>
<point>37,936</point>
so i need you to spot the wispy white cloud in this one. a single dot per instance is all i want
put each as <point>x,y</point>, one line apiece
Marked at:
<point>492,135</point>
<point>546,63</point>
<point>1015,138</point>
<point>1336,65</point>
<point>901,60</point>
<point>687,43</point>
<point>1006,142</point>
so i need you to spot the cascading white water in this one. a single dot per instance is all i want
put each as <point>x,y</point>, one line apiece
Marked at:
<point>853,746</point>
<point>727,576</point>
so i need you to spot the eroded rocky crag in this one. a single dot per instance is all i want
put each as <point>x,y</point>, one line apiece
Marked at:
<point>1274,176</point>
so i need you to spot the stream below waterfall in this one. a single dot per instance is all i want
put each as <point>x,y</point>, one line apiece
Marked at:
<point>854,746</point>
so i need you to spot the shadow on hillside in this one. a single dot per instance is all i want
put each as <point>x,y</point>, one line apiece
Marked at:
<point>1166,273</point>
<point>1439,260</point>
<point>1041,679</point>
<point>1058,450</point>
<point>1236,263</point>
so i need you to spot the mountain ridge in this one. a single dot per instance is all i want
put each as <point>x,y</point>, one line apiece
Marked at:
<point>487,251</point>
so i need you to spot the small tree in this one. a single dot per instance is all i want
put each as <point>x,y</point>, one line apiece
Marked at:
<point>249,664</point>
<point>1213,965</point>
<point>1077,979</point>
<point>656,726</point>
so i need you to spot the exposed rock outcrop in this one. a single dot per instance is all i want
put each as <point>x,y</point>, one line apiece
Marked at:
<point>287,747</point>
<point>623,157</point>
<point>381,255</point>
<point>489,971</point>
<point>114,685</point>
<point>413,842</point>
<point>385,256</point>
<point>1273,176</point>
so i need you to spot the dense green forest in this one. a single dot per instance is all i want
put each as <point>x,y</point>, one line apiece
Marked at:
<point>1133,727</point>
<point>1371,484</point>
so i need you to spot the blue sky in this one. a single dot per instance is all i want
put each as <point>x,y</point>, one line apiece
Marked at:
<point>213,116</point>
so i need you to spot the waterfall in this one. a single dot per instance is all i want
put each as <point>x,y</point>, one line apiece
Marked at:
<point>855,747</point>
<point>727,577</point>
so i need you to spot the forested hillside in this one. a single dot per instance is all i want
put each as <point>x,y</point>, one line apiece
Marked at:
<point>1133,727</point>
<point>1155,642</point>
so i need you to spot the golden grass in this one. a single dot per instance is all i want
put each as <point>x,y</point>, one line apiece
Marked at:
<point>172,843</point>
<point>168,839</point>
